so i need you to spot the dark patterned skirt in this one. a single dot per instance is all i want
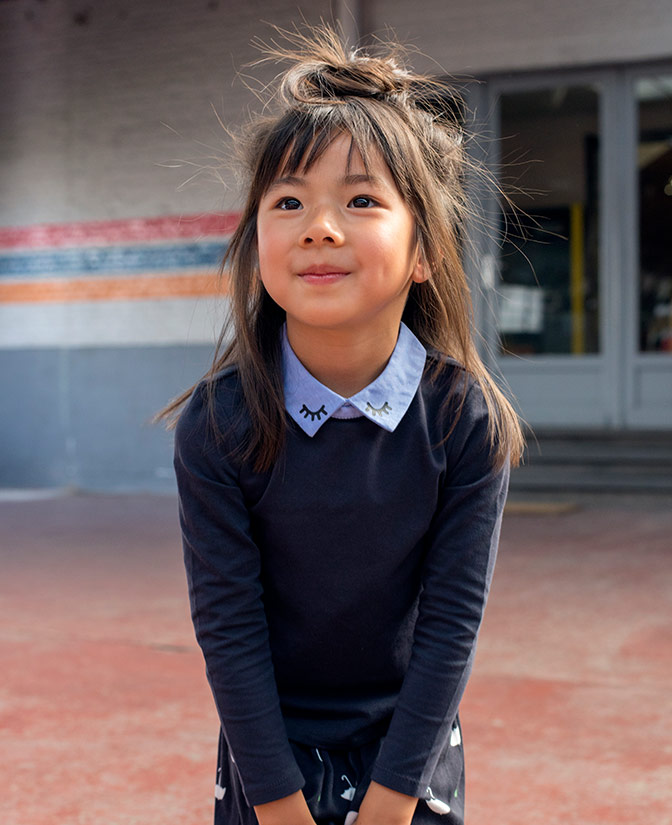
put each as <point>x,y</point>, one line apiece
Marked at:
<point>336,781</point>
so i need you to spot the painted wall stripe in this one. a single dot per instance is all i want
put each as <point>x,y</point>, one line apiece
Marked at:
<point>91,233</point>
<point>112,289</point>
<point>124,260</point>
<point>108,259</point>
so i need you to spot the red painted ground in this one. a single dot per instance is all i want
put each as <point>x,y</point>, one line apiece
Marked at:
<point>106,717</point>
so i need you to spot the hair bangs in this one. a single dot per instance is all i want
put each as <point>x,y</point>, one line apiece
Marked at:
<point>371,126</point>
<point>298,141</point>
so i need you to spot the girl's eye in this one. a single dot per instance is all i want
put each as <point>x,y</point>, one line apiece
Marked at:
<point>363,202</point>
<point>289,203</point>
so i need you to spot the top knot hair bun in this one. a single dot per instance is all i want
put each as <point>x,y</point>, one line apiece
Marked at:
<point>327,83</point>
<point>323,72</point>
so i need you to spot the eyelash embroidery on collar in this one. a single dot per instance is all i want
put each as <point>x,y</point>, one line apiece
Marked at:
<point>313,415</point>
<point>378,410</point>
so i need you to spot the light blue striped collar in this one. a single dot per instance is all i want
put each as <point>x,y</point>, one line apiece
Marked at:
<point>384,401</point>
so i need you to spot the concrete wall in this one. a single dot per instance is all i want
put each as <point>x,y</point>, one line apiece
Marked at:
<point>80,417</point>
<point>486,36</point>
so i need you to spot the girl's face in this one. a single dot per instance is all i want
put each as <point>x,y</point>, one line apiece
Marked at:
<point>337,245</point>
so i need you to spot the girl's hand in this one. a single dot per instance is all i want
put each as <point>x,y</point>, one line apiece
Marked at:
<point>383,806</point>
<point>290,810</point>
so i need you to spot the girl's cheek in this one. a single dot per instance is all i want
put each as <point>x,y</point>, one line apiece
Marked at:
<point>268,234</point>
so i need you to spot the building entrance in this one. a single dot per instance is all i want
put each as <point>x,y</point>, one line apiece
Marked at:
<point>578,289</point>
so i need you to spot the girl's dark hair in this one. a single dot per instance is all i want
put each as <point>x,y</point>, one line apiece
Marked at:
<point>415,123</point>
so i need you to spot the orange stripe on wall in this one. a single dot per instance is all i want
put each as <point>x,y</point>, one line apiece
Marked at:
<point>110,289</point>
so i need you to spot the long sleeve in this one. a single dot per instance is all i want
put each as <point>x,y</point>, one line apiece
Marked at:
<point>456,578</point>
<point>223,571</point>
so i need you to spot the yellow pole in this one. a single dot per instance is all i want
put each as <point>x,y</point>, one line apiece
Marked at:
<point>576,278</point>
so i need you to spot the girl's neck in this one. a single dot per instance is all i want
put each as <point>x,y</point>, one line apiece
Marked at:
<point>343,361</point>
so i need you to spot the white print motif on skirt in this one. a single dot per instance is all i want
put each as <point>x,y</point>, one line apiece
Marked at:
<point>455,737</point>
<point>436,805</point>
<point>219,790</point>
<point>348,793</point>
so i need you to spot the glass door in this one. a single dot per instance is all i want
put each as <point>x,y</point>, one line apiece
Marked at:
<point>549,293</point>
<point>549,259</point>
<point>654,194</point>
<point>649,398</point>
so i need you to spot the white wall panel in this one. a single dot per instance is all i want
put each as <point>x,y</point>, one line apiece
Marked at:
<point>183,321</point>
<point>505,35</point>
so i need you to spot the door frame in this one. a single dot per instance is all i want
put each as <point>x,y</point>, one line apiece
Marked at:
<point>602,387</point>
<point>640,410</point>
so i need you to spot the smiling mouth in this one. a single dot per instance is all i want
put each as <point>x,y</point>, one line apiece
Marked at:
<point>322,276</point>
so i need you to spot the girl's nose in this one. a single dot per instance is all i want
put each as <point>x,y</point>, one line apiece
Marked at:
<point>322,230</point>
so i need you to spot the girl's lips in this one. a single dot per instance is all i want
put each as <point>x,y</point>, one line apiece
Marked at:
<point>318,275</point>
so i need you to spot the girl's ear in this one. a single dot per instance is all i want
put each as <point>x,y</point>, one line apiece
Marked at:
<point>420,272</point>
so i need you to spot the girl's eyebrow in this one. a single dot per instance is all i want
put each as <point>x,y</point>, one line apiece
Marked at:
<point>371,179</point>
<point>287,180</point>
<point>346,180</point>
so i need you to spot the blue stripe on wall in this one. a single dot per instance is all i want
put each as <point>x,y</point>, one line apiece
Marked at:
<point>107,259</point>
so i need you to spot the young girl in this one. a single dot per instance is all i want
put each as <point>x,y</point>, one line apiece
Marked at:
<point>342,468</point>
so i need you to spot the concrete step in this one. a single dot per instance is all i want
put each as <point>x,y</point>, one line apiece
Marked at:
<point>635,462</point>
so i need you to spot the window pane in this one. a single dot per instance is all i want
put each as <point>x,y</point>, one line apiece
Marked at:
<point>549,171</point>
<point>655,214</point>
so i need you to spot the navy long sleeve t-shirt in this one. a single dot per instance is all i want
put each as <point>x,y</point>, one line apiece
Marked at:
<point>337,597</point>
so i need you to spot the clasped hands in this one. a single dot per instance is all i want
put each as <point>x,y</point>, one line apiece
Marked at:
<point>380,806</point>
